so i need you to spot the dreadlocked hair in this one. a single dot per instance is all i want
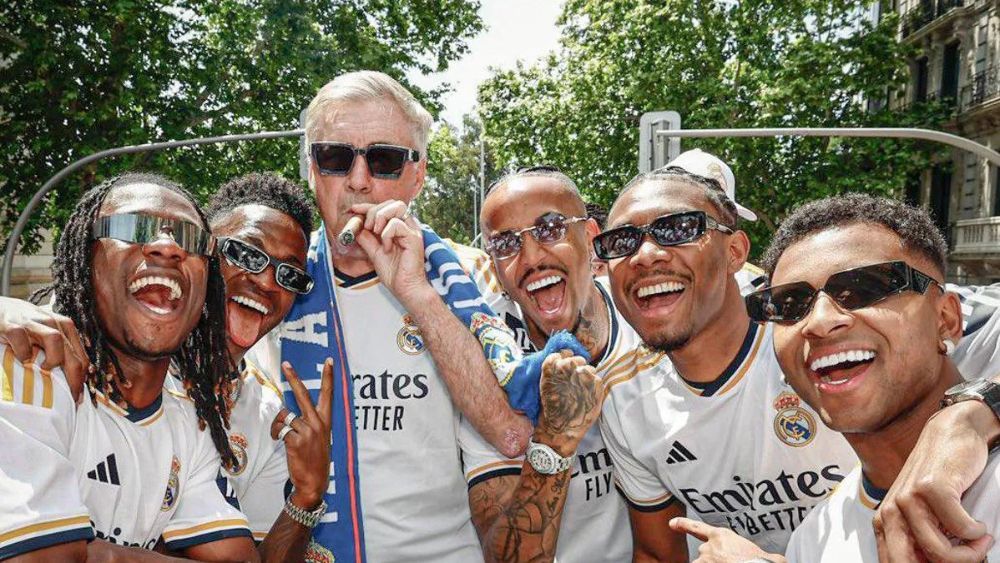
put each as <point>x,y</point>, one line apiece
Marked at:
<point>202,360</point>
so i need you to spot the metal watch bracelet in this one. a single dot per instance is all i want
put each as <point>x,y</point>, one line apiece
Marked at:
<point>308,518</point>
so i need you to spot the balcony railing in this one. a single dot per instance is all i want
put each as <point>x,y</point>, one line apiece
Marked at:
<point>976,236</point>
<point>926,12</point>
<point>982,87</point>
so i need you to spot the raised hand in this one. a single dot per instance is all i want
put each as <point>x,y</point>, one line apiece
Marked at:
<point>923,510</point>
<point>307,442</point>
<point>571,400</point>
<point>395,246</point>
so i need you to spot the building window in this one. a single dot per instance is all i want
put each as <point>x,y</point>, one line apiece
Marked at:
<point>994,176</point>
<point>920,87</point>
<point>911,193</point>
<point>949,73</point>
<point>940,199</point>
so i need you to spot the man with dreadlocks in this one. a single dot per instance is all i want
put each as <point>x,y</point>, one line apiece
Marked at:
<point>134,272</point>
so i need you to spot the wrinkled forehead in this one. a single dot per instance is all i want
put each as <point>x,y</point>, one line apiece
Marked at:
<point>363,123</point>
<point>149,199</point>
<point>657,197</point>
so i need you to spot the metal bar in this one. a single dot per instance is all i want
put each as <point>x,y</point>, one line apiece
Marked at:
<point>6,270</point>
<point>878,132</point>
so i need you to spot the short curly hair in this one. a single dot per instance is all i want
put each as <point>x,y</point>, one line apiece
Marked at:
<point>714,192</point>
<point>913,225</point>
<point>267,189</point>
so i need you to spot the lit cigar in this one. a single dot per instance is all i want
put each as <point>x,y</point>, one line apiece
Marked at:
<point>350,230</point>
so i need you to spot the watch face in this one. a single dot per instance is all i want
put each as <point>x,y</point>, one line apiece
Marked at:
<point>541,461</point>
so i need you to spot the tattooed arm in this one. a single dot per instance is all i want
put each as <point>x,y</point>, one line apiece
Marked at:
<point>518,517</point>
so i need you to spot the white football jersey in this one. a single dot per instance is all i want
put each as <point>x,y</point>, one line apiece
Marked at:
<point>413,496</point>
<point>595,524</point>
<point>743,453</point>
<point>141,474</point>
<point>260,479</point>
<point>839,529</point>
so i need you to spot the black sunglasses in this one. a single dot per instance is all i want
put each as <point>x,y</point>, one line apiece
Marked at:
<point>384,161</point>
<point>140,228</point>
<point>669,230</point>
<point>254,260</point>
<point>851,289</point>
<point>550,228</point>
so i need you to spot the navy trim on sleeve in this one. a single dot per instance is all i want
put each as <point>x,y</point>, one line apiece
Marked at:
<point>217,535</point>
<point>48,540</point>
<point>642,507</point>
<point>491,474</point>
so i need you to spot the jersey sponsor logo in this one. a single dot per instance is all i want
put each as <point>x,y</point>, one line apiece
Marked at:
<point>173,485</point>
<point>679,454</point>
<point>749,508</point>
<point>106,471</point>
<point>793,424</point>
<point>376,398</point>
<point>238,443</point>
<point>408,338</point>
<point>595,468</point>
<point>114,537</point>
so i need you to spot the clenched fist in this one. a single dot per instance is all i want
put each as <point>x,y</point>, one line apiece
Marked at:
<point>571,398</point>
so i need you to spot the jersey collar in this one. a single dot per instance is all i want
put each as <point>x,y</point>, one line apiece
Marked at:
<point>870,495</point>
<point>746,355</point>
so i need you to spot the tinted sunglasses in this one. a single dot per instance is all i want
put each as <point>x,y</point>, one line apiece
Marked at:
<point>548,229</point>
<point>669,230</point>
<point>384,161</point>
<point>851,290</point>
<point>140,228</point>
<point>254,260</point>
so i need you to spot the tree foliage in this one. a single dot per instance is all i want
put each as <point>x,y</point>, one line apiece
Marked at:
<point>88,75</point>
<point>448,200</point>
<point>720,63</point>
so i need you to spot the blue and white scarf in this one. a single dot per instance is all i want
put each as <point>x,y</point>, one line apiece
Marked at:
<point>312,332</point>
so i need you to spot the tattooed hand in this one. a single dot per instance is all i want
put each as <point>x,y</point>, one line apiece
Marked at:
<point>571,400</point>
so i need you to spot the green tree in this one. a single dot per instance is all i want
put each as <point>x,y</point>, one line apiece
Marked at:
<point>88,75</point>
<point>720,63</point>
<point>448,200</point>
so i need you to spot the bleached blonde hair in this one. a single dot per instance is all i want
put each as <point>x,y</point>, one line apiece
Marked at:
<point>366,86</point>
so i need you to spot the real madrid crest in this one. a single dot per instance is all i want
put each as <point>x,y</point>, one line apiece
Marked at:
<point>238,442</point>
<point>793,424</point>
<point>173,485</point>
<point>408,338</point>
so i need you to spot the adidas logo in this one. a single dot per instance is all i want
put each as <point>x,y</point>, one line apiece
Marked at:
<point>679,454</point>
<point>106,471</point>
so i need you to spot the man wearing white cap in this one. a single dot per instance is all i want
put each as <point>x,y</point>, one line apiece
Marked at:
<point>697,161</point>
<point>711,431</point>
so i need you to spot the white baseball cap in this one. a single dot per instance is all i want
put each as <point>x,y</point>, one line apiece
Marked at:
<point>708,165</point>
